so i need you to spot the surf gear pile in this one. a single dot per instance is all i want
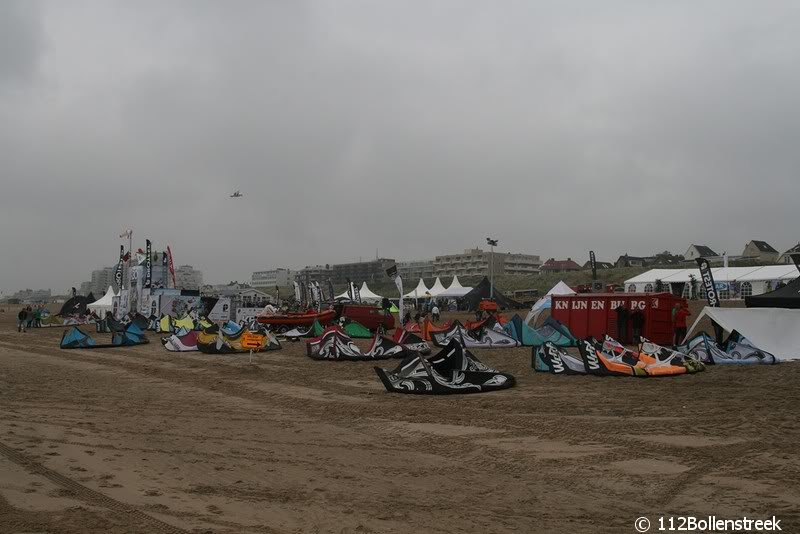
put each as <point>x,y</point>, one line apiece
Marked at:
<point>482,337</point>
<point>549,358</point>
<point>736,350</point>
<point>411,341</point>
<point>551,330</point>
<point>186,342</point>
<point>335,344</point>
<point>216,340</point>
<point>611,358</point>
<point>452,370</point>
<point>75,338</point>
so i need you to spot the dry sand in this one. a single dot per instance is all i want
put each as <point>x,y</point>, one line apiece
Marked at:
<point>141,440</point>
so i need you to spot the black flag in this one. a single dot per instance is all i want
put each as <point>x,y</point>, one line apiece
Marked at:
<point>796,260</point>
<point>391,272</point>
<point>118,272</point>
<point>708,282</point>
<point>148,265</point>
<point>594,264</point>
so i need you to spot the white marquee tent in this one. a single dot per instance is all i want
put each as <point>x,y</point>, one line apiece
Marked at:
<point>755,279</point>
<point>455,290</point>
<point>775,330</point>
<point>367,294</point>
<point>545,302</point>
<point>104,304</point>
<point>437,289</point>
<point>419,292</point>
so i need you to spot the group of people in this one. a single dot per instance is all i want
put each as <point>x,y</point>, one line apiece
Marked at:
<point>30,317</point>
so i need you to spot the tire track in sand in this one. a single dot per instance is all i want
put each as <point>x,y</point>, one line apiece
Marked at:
<point>89,495</point>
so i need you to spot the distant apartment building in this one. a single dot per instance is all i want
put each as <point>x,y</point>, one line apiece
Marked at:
<point>101,279</point>
<point>414,270</point>
<point>187,277</point>
<point>85,288</point>
<point>476,261</point>
<point>274,277</point>
<point>361,271</point>
<point>520,263</point>
<point>318,273</point>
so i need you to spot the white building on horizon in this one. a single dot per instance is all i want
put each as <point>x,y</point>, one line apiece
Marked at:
<point>280,277</point>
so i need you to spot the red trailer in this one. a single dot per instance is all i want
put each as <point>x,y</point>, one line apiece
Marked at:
<point>618,315</point>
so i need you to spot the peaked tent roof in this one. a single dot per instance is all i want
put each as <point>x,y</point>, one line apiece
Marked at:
<point>482,290</point>
<point>545,302</point>
<point>104,304</point>
<point>786,297</point>
<point>367,294</point>
<point>455,289</point>
<point>775,330</point>
<point>437,288</point>
<point>421,291</point>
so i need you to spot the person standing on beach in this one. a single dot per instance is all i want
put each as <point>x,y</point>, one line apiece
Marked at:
<point>679,320</point>
<point>22,317</point>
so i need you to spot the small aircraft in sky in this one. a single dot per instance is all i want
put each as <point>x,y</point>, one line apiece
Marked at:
<point>237,194</point>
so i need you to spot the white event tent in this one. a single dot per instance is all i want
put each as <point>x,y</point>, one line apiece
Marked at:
<point>455,290</point>
<point>104,304</point>
<point>546,301</point>
<point>419,292</point>
<point>753,280</point>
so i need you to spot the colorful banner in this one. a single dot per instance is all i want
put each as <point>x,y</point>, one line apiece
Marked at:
<point>708,282</point>
<point>171,267</point>
<point>148,265</point>
<point>297,294</point>
<point>118,272</point>
<point>391,272</point>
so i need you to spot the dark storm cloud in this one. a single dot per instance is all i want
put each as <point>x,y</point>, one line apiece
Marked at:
<point>414,128</point>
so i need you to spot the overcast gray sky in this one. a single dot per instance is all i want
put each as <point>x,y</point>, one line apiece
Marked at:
<point>413,127</point>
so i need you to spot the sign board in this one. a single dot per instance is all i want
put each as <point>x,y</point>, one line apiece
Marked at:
<point>246,315</point>
<point>252,341</point>
<point>221,311</point>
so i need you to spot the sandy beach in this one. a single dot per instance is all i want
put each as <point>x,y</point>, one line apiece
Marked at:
<point>139,440</point>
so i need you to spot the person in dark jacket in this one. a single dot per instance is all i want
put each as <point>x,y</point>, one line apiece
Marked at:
<point>637,324</point>
<point>22,318</point>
